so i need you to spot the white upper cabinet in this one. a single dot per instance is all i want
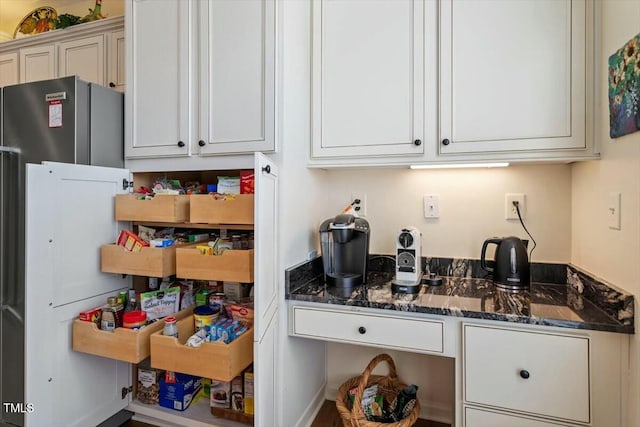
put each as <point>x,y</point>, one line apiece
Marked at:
<point>116,60</point>
<point>83,57</point>
<point>237,76</point>
<point>37,63</point>
<point>158,76</point>
<point>9,69</point>
<point>367,78</point>
<point>512,75</point>
<point>202,83</point>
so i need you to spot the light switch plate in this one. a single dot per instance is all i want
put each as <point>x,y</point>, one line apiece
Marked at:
<point>613,211</point>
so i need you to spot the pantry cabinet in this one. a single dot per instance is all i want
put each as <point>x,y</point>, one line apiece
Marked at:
<point>61,202</point>
<point>368,71</point>
<point>93,51</point>
<point>208,77</point>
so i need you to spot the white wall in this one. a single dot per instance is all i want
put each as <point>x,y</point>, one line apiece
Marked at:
<point>612,254</point>
<point>472,207</point>
<point>303,201</point>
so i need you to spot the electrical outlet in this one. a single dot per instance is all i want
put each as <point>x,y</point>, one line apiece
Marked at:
<point>361,207</point>
<point>510,211</point>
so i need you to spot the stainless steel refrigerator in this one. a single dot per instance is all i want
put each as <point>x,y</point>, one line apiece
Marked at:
<point>63,120</point>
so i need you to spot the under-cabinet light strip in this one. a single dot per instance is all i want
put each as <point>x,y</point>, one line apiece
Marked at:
<point>460,165</point>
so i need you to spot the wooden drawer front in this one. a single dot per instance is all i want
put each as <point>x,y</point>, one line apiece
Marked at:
<point>162,208</point>
<point>385,331</point>
<point>557,366</point>
<point>124,344</point>
<point>478,418</point>
<point>232,265</point>
<point>207,210</point>
<point>211,360</point>
<point>154,262</point>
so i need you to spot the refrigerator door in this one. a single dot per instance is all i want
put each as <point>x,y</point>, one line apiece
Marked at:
<point>69,214</point>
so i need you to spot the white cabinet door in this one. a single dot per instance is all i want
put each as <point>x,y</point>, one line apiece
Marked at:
<point>37,63</point>
<point>157,95</point>
<point>115,61</point>
<point>265,368</point>
<point>237,76</point>
<point>266,242</point>
<point>512,75</point>
<point>367,78</point>
<point>69,214</point>
<point>9,69</point>
<point>83,57</point>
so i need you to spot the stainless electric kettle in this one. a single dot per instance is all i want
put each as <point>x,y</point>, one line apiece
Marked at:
<point>511,262</point>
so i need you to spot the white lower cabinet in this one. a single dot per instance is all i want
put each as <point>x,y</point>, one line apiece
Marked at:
<point>368,329</point>
<point>474,417</point>
<point>531,372</point>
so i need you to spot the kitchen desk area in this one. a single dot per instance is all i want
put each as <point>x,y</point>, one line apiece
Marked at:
<point>555,354</point>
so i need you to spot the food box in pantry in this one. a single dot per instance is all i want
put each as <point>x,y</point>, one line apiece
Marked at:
<point>236,209</point>
<point>234,265</point>
<point>214,360</point>
<point>179,394</point>
<point>160,208</point>
<point>152,262</point>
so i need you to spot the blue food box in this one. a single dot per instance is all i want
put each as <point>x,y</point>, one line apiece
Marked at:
<point>179,395</point>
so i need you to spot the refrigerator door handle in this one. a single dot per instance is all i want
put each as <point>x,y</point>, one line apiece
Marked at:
<point>13,312</point>
<point>11,150</point>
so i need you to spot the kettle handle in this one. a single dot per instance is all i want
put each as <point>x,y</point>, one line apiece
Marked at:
<point>486,243</point>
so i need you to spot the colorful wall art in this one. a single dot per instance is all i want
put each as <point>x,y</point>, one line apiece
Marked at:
<point>624,89</point>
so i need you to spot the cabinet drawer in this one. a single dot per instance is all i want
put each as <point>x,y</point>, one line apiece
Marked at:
<point>162,208</point>
<point>124,344</point>
<point>211,360</point>
<point>205,209</point>
<point>231,265</point>
<point>384,331</point>
<point>474,417</point>
<point>538,373</point>
<point>154,262</point>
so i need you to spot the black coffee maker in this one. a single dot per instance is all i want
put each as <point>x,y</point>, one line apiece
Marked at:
<point>345,250</point>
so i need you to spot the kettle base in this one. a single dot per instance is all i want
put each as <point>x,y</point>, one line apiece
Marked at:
<point>344,280</point>
<point>512,287</point>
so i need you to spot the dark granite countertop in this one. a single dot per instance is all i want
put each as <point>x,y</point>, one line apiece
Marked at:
<point>577,303</point>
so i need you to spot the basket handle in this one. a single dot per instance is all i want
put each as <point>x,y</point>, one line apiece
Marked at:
<point>364,379</point>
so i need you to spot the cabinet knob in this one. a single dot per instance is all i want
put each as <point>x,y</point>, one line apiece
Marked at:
<point>201,143</point>
<point>267,169</point>
<point>180,144</point>
<point>524,374</point>
<point>112,84</point>
<point>362,330</point>
<point>446,142</point>
<point>417,142</point>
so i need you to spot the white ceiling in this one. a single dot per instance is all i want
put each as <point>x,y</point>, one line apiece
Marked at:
<point>12,11</point>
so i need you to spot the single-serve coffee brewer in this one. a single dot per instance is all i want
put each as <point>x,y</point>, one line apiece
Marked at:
<point>345,250</point>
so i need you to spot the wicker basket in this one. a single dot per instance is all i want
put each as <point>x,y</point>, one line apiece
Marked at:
<point>389,386</point>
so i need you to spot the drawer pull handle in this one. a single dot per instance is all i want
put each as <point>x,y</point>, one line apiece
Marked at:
<point>524,374</point>
<point>362,330</point>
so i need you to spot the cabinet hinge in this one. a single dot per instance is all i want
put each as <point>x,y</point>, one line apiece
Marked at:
<point>126,184</point>
<point>126,390</point>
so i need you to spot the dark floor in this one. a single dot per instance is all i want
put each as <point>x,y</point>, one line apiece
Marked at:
<point>328,416</point>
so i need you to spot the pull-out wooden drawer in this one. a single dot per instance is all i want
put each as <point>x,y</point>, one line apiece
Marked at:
<point>153,262</point>
<point>128,345</point>
<point>162,208</point>
<point>474,417</point>
<point>369,329</point>
<point>533,372</point>
<point>238,209</point>
<point>219,361</point>
<point>231,265</point>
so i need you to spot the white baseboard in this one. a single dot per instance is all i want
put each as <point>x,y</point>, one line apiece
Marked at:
<point>432,411</point>
<point>312,409</point>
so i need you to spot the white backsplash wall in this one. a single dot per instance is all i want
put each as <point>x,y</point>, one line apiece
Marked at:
<point>472,207</point>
